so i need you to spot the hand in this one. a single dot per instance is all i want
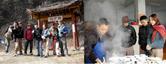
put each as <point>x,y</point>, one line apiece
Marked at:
<point>100,62</point>
<point>43,37</point>
<point>148,47</point>
<point>33,31</point>
<point>104,61</point>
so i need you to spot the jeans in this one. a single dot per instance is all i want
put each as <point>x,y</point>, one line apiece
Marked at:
<point>39,47</point>
<point>61,46</point>
<point>65,44</point>
<point>62,43</point>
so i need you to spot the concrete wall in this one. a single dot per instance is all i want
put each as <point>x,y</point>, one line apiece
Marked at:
<point>113,9</point>
<point>162,13</point>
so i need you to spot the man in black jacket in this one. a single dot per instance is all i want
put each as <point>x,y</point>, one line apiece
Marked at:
<point>143,35</point>
<point>128,46</point>
<point>37,35</point>
<point>18,33</point>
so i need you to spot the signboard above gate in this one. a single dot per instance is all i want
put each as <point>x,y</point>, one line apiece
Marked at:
<point>55,18</point>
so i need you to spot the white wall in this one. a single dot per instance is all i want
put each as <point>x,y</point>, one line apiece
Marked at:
<point>162,13</point>
<point>112,9</point>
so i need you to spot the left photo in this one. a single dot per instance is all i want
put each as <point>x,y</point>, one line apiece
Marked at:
<point>41,32</point>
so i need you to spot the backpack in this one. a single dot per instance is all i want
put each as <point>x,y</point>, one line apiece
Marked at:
<point>37,33</point>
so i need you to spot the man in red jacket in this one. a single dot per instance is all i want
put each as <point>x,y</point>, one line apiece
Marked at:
<point>28,35</point>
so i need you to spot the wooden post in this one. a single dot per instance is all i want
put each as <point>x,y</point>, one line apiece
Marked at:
<point>38,23</point>
<point>75,32</point>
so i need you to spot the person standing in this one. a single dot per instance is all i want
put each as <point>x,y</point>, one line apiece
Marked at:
<point>45,37</point>
<point>18,35</point>
<point>156,37</point>
<point>54,44</point>
<point>39,44</point>
<point>60,37</point>
<point>63,31</point>
<point>128,45</point>
<point>143,31</point>
<point>8,36</point>
<point>28,35</point>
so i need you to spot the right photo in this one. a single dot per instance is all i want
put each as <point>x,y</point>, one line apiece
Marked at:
<point>125,31</point>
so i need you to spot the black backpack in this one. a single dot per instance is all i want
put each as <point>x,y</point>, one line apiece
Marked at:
<point>37,33</point>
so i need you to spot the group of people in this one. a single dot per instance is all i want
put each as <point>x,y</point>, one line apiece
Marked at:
<point>45,38</point>
<point>151,38</point>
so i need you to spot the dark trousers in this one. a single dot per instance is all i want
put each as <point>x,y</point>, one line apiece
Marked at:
<point>65,43</point>
<point>144,50</point>
<point>61,46</point>
<point>26,46</point>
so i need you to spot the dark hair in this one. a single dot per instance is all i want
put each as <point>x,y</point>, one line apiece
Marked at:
<point>103,21</point>
<point>155,18</point>
<point>143,18</point>
<point>153,15</point>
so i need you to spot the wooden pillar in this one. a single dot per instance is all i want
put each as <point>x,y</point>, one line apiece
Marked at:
<point>38,23</point>
<point>75,32</point>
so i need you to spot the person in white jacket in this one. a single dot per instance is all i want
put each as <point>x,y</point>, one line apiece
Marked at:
<point>45,35</point>
<point>8,38</point>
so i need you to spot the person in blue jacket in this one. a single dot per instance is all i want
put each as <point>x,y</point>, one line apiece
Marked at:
<point>63,32</point>
<point>94,42</point>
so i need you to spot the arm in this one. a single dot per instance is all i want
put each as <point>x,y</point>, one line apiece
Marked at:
<point>148,47</point>
<point>133,36</point>
<point>139,34</point>
<point>149,35</point>
<point>34,33</point>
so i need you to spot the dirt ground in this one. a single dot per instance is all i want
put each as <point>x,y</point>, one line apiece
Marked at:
<point>76,57</point>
